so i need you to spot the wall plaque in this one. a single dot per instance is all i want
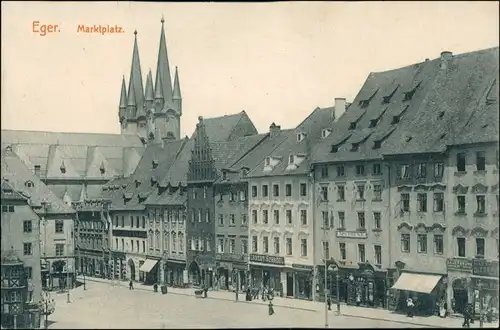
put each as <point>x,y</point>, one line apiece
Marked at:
<point>267,259</point>
<point>351,234</point>
<point>459,265</point>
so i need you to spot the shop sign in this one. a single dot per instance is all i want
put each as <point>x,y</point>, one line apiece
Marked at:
<point>351,234</point>
<point>459,265</point>
<point>266,259</point>
<point>230,257</point>
<point>483,267</point>
<point>227,265</point>
<point>299,266</point>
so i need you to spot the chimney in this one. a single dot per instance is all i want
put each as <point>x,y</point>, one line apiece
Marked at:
<point>274,130</point>
<point>445,58</point>
<point>37,170</point>
<point>339,108</point>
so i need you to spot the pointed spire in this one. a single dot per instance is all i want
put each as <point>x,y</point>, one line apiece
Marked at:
<point>135,86</point>
<point>177,87</point>
<point>123,100</point>
<point>149,87</point>
<point>163,69</point>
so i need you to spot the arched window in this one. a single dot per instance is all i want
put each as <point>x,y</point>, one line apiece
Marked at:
<point>174,242</point>
<point>166,240</point>
<point>157,240</point>
<point>181,241</point>
<point>150,239</point>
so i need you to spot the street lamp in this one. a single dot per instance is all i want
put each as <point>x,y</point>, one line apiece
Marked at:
<point>336,270</point>
<point>68,300</point>
<point>479,287</point>
<point>47,307</point>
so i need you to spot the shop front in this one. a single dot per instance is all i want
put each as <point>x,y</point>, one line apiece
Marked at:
<point>150,270</point>
<point>266,270</point>
<point>201,270</point>
<point>174,270</point>
<point>118,265</point>
<point>231,271</point>
<point>425,289</point>
<point>301,279</point>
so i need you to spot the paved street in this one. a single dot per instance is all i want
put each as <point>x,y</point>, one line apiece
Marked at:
<point>103,305</point>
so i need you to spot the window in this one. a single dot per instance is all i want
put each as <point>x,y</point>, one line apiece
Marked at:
<point>220,245</point>
<point>254,191</point>
<point>361,253</point>
<point>480,202</point>
<point>479,247</point>
<point>438,244</point>
<point>341,219</point>
<point>403,171</point>
<point>290,159</point>
<point>361,220</point>
<point>324,193</point>
<point>232,218</point>
<point>199,215</point>
<point>131,221</point>
<point>29,272</point>
<point>405,202</point>
<point>195,194</point>
<point>303,217</point>
<point>27,226</point>
<point>221,220</point>
<point>288,189</point>
<point>461,161</point>
<point>27,249</point>
<point>325,219</point>
<point>377,219</point>
<point>343,252</point>
<point>59,250</point>
<point>377,192</point>
<point>193,244</point>
<point>340,170</point>
<point>303,189</point>
<point>422,202</point>
<point>265,191</point>
<point>123,221</point>
<point>231,196</point>
<point>378,254</point>
<point>232,245</point>
<point>265,217</point>
<point>143,222</point>
<point>326,250</point>
<point>265,244</point>
<point>361,192</point>
<point>143,246</point>
<point>7,208</point>
<point>244,246</point>
<point>438,170</point>
<point>480,161</point>
<point>137,221</point>
<point>376,170</point>
<point>405,243</point>
<point>254,244</point>
<point>59,226</point>
<point>461,204</point>
<point>360,169</point>
<point>461,246</point>
<point>254,217</point>
<point>303,247</point>
<point>288,246</point>
<point>276,245</point>
<point>438,202</point>
<point>341,193</point>
<point>276,215</point>
<point>268,161</point>
<point>116,243</point>
<point>324,171</point>
<point>421,171</point>
<point>422,243</point>
<point>288,214</point>
<point>207,216</point>
<point>276,190</point>
<point>244,221</point>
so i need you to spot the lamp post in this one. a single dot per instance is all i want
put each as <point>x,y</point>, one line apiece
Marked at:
<point>336,269</point>
<point>479,287</point>
<point>326,294</point>
<point>47,307</point>
<point>68,300</point>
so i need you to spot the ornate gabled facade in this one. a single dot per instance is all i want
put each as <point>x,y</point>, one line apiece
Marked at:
<point>155,113</point>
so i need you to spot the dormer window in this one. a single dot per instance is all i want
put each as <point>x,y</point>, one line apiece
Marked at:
<point>408,138</point>
<point>387,99</point>
<point>409,94</point>
<point>268,161</point>
<point>37,169</point>
<point>102,168</point>
<point>244,171</point>
<point>334,149</point>
<point>441,115</point>
<point>291,159</point>
<point>355,147</point>
<point>29,184</point>
<point>63,167</point>
<point>352,125</point>
<point>137,183</point>
<point>154,164</point>
<point>373,123</point>
<point>325,132</point>
<point>395,120</point>
<point>300,136</point>
<point>224,175</point>
<point>365,103</point>
<point>377,144</point>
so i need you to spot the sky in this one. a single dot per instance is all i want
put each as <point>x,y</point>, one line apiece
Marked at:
<point>278,61</point>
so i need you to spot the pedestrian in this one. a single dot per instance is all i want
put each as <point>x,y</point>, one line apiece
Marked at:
<point>271,309</point>
<point>409,306</point>
<point>130,285</point>
<point>467,317</point>
<point>329,302</point>
<point>205,290</point>
<point>155,287</point>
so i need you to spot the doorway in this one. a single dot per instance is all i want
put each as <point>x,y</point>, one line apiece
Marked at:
<point>460,295</point>
<point>289,284</point>
<point>131,267</point>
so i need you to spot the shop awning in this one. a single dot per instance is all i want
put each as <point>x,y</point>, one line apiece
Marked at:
<point>148,265</point>
<point>423,283</point>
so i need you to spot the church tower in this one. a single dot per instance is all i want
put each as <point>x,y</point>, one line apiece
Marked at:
<point>153,114</point>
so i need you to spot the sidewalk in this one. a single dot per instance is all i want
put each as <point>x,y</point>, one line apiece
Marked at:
<point>312,306</point>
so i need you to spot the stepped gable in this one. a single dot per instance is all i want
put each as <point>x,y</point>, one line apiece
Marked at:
<point>370,119</point>
<point>228,127</point>
<point>458,103</point>
<point>33,148</point>
<point>18,175</point>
